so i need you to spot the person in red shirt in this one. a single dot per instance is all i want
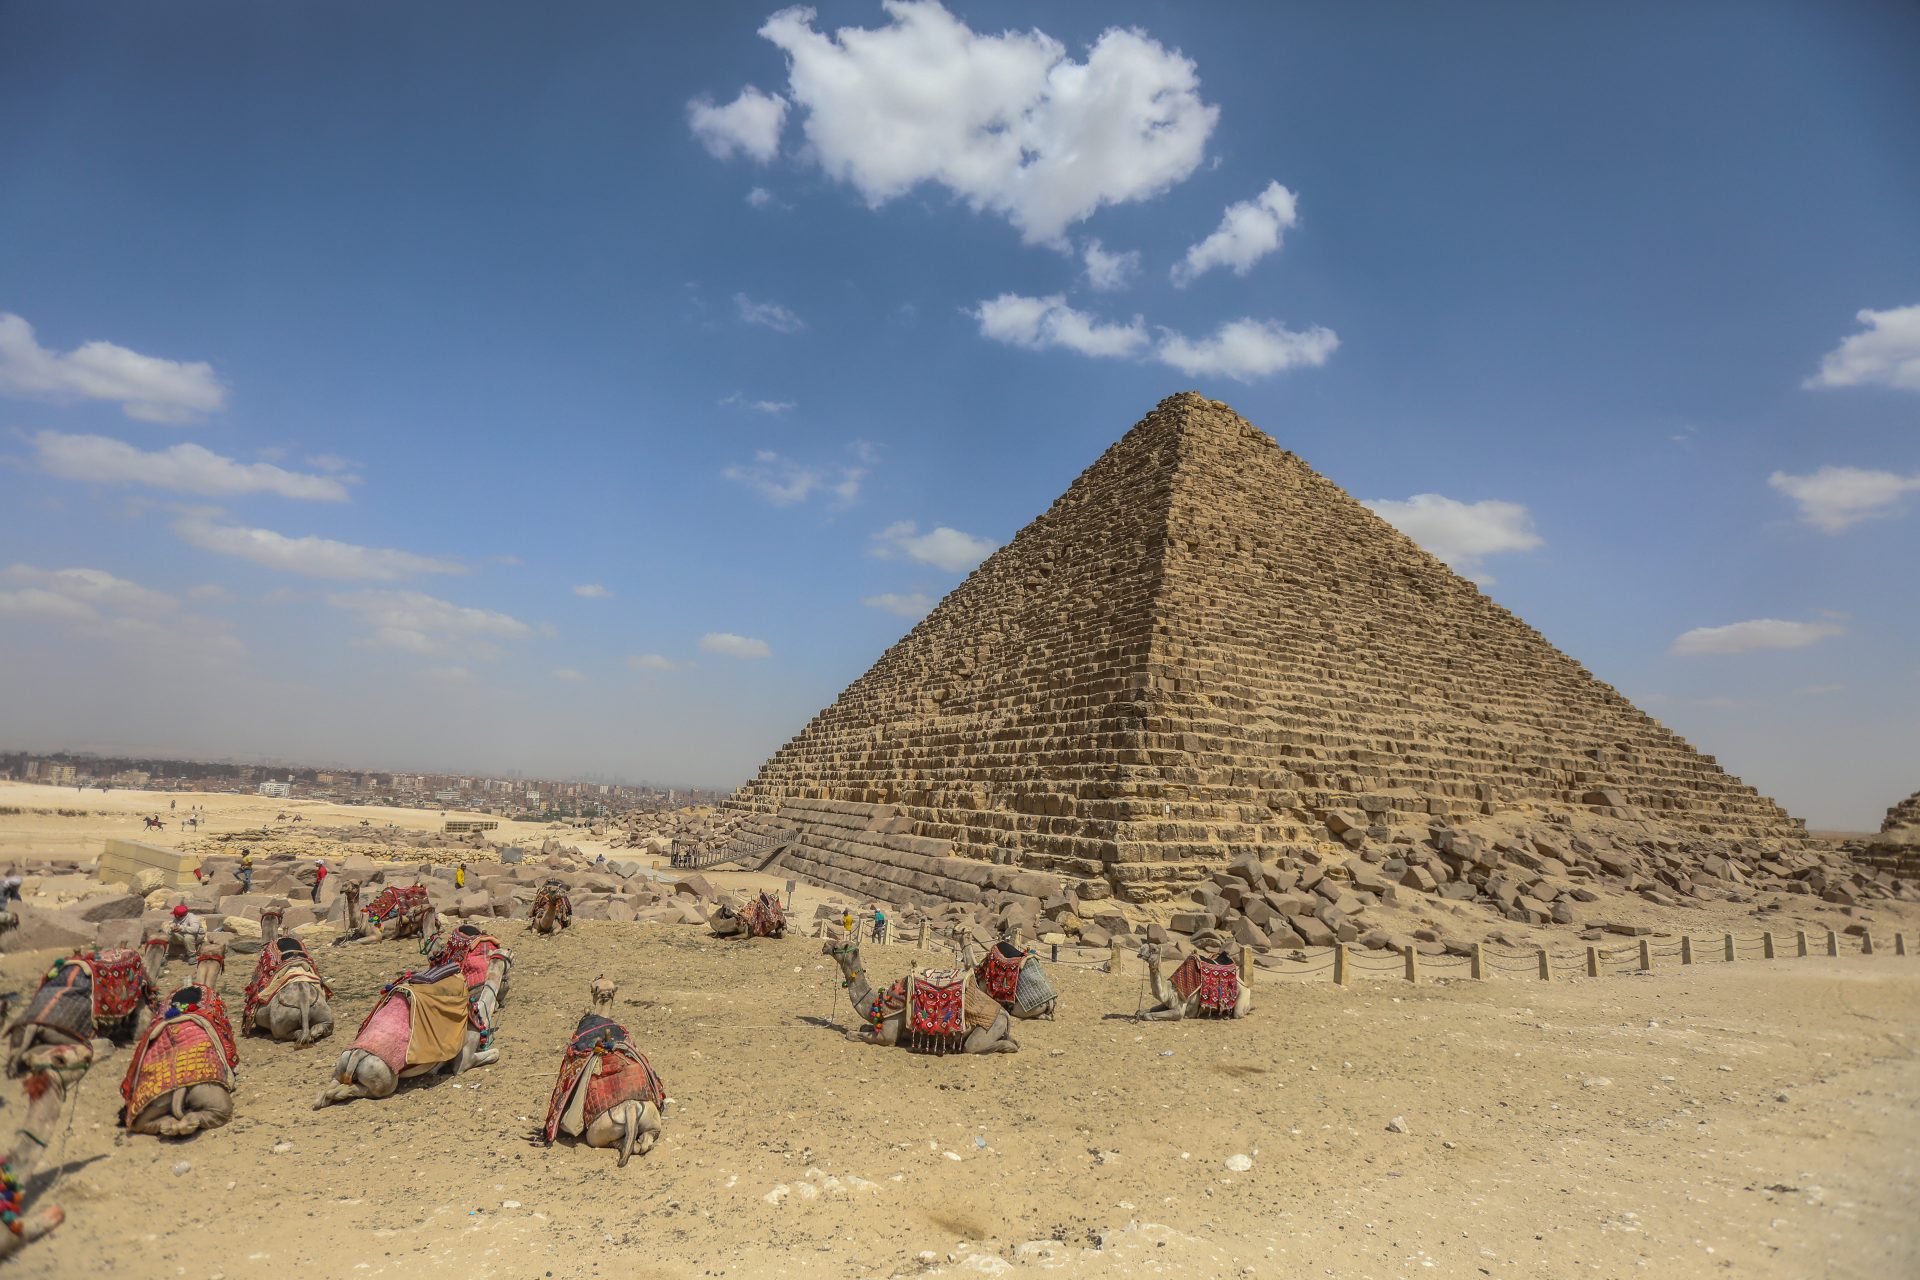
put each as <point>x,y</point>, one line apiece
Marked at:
<point>319,878</point>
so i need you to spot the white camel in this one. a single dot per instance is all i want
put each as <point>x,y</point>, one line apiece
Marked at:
<point>1167,1004</point>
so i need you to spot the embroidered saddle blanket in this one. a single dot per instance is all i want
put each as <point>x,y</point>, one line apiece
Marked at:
<point>1217,980</point>
<point>600,1069</point>
<point>83,994</point>
<point>420,1018</point>
<point>763,917</point>
<point>470,949</point>
<point>286,960</point>
<point>407,901</point>
<point>550,896</point>
<point>942,1006</point>
<point>190,1043</point>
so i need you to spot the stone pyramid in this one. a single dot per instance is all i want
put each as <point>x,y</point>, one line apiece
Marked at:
<point>1204,649</point>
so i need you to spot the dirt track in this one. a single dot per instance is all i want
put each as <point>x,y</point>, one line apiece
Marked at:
<point>1624,1126</point>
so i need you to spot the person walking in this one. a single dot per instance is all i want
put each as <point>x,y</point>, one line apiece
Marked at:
<point>246,871</point>
<point>846,925</point>
<point>460,876</point>
<point>879,924</point>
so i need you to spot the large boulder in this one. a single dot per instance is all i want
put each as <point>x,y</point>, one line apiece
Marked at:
<point>42,929</point>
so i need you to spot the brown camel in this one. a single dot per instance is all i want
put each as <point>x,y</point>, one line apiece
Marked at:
<point>884,1018</point>
<point>607,1094</point>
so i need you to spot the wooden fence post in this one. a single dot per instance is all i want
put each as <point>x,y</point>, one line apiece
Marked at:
<point>1732,955</point>
<point>1546,966</point>
<point>1899,944</point>
<point>1766,944</point>
<point>1646,955</point>
<point>1686,948</point>
<point>1413,964</point>
<point>1593,962</point>
<point>1340,964</point>
<point>1113,955</point>
<point>1833,943</point>
<point>1477,965</point>
<point>1800,940</point>
<point>922,944</point>
<point>1866,943</point>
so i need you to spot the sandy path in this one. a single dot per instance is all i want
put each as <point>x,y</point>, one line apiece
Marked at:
<point>1626,1126</point>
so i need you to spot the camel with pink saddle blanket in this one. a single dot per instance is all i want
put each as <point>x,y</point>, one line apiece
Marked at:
<point>440,1020</point>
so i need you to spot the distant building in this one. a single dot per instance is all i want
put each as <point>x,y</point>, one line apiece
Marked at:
<point>60,775</point>
<point>278,790</point>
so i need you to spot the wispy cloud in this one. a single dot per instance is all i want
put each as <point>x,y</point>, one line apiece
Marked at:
<point>1463,534</point>
<point>770,315</point>
<point>182,468</point>
<point>914,604</point>
<point>943,548</point>
<point>733,646</point>
<point>1106,272</point>
<point>146,388</point>
<point>739,401</point>
<point>1041,323</point>
<point>1759,633</point>
<point>417,623</point>
<point>99,604</point>
<point>785,482</point>
<point>313,557</point>
<point>1248,232</point>
<point>568,675</point>
<point>759,197</point>
<point>592,591</point>
<point>1244,349</point>
<point>1886,354</point>
<point>1834,499</point>
<point>652,662</point>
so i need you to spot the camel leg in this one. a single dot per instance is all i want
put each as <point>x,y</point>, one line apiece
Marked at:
<point>359,1074</point>
<point>993,1038</point>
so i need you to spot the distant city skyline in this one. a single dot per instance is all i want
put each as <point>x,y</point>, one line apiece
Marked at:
<point>603,388</point>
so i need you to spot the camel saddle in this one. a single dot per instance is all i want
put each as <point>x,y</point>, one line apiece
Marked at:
<point>189,1043</point>
<point>287,960</point>
<point>85,993</point>
<point>763,917</point>
<point>1216,979</point>
<point>600,1069</point>
<point>1015,979</point>
<point>407,901</point>
<point>469,948</point>
<point>420,1018</point>
<point>943,1007</point>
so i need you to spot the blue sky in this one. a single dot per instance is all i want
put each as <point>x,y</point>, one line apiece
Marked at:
<point>345,345</point>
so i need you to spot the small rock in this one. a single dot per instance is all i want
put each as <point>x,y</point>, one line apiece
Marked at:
<point>1397,1125</point>
<point>281,1148</point>
<point>1595,1082</point>
<point>1239,1163</point>
<point>182,1167</point>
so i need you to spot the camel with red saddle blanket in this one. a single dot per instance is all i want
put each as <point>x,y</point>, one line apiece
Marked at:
<point>181,1078</point>
<point>286,996</point>
<point>929,1010</point>
<point>470,947</point>
<point>607,1093</point>
<point>1203,987</point>
<point>440,1020</point>
<point>1015,979</point>
<point>761,917</point>
<point>397,911</point>
<point>552,909</point>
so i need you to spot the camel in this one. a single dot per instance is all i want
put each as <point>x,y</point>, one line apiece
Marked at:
<point>363,1071</point>
<point>49,1069</point>
<point>153,957</point>
<point>551,910</point>
<point>1013,978</point>
<point>884,1015</point>
<point>397,911</point>
<point>1205,997</point>
<point>467,946</point>
<point>286,997</point>
<point>762,917</point>
<point>350,900</point>
<point>181,1078</point>
<point>88,994</point>
<point>607,1094</point>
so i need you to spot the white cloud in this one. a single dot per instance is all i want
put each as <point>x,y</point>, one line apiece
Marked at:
<point>1007,122</point>
<point>1888,353</point>
<point>568,674</point>
<point>943,548</point>
<point>1836,498</point>
<point>146,387</point>
<point>414,622</point>
<point>509,561</point>
<point>1247,349</point>
<point>750,124</point>
<point>183,468</point>
<point>785,482</point>
<point>652,662</point>
<point>332,463</point>
<point>311,556</point>
<point>737,400</point>
<point>1760,633</point>
<point>725,642</point>
<point>99,604</point>
<point>1108,271</point>
<point>1463,534</point>
<point>592,591</point>
<point>770,315</point>
<point>1040,323</point>
<point>910,605</point>
<point>1249,231</point>
<point>759,197</point>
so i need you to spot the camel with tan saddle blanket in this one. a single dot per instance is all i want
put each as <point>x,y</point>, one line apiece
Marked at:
<point>181,1078</point>
<point>423,1023</point>
<point>607,1093</point>
<point>929,1011</point>
<point>286,997</point>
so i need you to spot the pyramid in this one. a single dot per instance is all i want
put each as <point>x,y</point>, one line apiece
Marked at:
<point>1205,649</point>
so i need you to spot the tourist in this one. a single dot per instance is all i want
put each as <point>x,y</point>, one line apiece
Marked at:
<point>460,876</point>
<point>9,891</point>
<point>879,924</point>
<point>246,871</point>
<point>319,877</point>
<point>846,924</point>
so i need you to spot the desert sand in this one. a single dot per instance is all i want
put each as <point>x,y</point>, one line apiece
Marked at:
<point>1752,1120</point>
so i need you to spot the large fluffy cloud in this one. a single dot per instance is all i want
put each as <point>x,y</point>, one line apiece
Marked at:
<point>1463,534</point>
<point>1247,349</point>
<point>99,604</point>
<point>145,387</point>
<point>1888,353</point>
<point>1040,323</point>
<point>1008,122</point>
<point>1759,633</point>
<point>1248,232</point>
<point>1833,499</point>
<point>1243,349</point>
<point>943,548</point>
<point>310,556</point>
<point>183,468</point>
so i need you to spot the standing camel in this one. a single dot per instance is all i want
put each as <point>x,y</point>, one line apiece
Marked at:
<point>423,1023</point>
<point>607,1094</point>
<point>944,1011</point>
<point>1202,987</point>
<point>286,997</point>
<point>181,1078</point>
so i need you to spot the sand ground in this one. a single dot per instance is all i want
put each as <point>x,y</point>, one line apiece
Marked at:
<point>1747,1120</point>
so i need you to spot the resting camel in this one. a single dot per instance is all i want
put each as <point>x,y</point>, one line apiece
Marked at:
<point>468,946</point>
<point>607,1094</point>
<point>89,994</point>
<point>397,911</point>
<point>49,1069</point>
<point>1013,978</point>
<point>1215,986</point>
<point>762,917</point>
<point>551,910</point>
<point>180,1080</point>
<point>964,1025</point>
<point>385,1052</point>
<point>286,997</point>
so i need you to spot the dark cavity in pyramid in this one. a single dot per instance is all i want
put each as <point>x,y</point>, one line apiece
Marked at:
<point>1204,649</point>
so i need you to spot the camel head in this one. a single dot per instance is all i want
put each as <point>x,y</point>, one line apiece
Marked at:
<point>270,918</point>
<point>600,993</point>
<point>1150,952</point>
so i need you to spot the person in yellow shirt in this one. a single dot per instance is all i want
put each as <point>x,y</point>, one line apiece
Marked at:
<point>460,876</point>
